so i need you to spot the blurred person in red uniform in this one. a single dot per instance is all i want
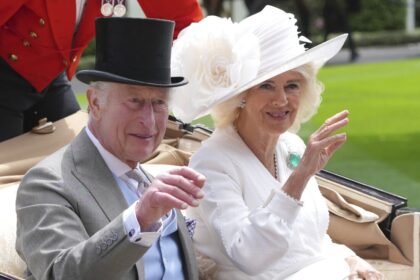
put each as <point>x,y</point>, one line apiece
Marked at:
<point>41,43</point>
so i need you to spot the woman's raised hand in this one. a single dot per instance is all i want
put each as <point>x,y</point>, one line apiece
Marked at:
<point>323,143</point>
<point>321,146</point>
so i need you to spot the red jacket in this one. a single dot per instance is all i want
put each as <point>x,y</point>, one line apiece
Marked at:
<point>36,36</point>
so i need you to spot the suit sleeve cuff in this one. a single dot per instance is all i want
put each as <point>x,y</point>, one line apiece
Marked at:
<point>133,229</point>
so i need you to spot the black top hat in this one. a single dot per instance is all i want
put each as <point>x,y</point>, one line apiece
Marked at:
<point>133,51</point>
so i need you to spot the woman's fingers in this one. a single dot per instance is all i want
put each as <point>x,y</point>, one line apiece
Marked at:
<point>332,148</point>
<point>337,117</point>
<point>318,153</point>
<point>323,143</point>
<point>332,143</point>
<point>363,269</point>
<point>329,127</point>
<point>371,275</point>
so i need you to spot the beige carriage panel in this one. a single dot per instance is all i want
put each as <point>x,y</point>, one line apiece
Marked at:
<point>10,262</point>
<point>397,258</point>
<point>19,154</point>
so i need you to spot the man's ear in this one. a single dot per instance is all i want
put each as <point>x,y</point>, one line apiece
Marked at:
<point>94,104</point>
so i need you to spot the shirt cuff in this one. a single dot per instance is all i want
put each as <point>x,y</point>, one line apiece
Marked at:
<point>283,205</point>
<point>133,229</point>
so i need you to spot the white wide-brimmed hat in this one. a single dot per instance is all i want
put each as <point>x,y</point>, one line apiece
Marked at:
<point>221,59</point>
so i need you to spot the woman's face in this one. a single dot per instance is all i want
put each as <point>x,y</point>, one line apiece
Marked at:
<point>273,104</point>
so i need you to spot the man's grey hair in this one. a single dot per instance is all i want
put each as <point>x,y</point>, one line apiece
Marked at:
<point>103,88</point>
<point>227,112</point>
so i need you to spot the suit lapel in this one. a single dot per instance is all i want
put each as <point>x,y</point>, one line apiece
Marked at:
<point>93,173</point>
<point>62,15</point>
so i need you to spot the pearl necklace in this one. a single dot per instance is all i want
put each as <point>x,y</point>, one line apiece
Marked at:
<point>276,168</point>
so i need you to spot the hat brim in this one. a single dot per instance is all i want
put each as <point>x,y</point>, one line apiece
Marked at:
<point>317,55</point>
<point>88,76</point>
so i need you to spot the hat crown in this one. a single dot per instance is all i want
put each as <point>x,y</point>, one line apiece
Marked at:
<point>137,49</point>
<point>277,34</point>
<point>133,51</point>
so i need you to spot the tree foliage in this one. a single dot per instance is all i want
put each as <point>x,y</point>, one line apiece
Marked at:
<point>376,15</point>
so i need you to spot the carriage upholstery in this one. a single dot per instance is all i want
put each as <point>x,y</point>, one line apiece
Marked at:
<point>397,257</point>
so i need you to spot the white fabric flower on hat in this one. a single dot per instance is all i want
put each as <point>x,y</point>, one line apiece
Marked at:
<point>215,57</point>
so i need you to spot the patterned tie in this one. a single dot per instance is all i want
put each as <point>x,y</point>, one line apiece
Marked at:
<point>142,180</point>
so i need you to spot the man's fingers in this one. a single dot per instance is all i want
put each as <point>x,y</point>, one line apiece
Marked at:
<point>179,193</point>
<point>183,184</point>
<point>197,178</point>
<point>167,201</point>
<point>154,204</point>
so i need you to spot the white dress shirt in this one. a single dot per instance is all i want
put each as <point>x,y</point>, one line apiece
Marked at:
<point>80,5</point>
<point>163,260</point>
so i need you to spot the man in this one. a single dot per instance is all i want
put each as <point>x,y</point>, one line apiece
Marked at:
<point>41,42</point>
<point>73,220</point>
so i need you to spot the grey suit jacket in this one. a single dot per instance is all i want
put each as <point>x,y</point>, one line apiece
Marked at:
<point>69,211</point>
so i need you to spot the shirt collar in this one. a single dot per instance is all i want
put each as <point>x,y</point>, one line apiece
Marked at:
<point>117,167</point>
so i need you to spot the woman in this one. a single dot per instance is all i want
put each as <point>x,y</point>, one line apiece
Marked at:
<point>263,216</point>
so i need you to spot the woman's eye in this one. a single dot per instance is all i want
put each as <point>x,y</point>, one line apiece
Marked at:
<point>267,86</point>
<point>293,86</point>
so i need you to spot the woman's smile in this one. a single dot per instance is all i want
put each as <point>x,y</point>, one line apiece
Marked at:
<point>278,115</point>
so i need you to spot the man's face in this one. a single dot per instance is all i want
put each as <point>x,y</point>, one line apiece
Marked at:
<point>131,121</point>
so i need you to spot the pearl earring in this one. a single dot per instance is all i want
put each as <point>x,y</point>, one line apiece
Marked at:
<point>242,104</point>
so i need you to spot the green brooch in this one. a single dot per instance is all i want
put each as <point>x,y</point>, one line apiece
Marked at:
<point>293,160</point>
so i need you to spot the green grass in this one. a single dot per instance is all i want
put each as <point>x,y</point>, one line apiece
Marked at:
<point>81,98</point>
<point>383,147</point>
<point>384,131</point>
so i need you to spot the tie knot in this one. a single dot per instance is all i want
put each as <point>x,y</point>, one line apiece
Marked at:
<point>140,178</point>
<point>137,175</point>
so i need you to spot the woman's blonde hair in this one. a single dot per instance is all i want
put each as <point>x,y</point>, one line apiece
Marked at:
<point>225,113</point>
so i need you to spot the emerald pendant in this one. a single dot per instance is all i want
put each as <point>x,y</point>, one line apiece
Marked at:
<point>293,160</point>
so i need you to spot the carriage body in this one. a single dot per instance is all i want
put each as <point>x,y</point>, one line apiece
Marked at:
<point>390,242</point>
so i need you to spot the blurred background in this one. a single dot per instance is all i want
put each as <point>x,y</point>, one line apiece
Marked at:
<point>376,77</point>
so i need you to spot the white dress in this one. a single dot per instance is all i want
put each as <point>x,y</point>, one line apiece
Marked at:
<point>252,229</point>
